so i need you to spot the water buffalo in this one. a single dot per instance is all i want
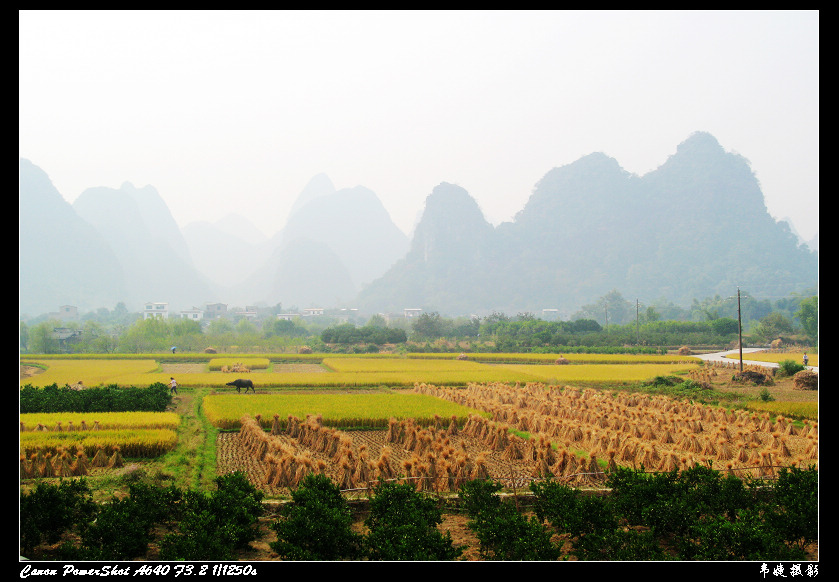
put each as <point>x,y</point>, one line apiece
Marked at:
<point>239,384</point>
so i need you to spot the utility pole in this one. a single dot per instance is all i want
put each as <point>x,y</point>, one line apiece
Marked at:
<point>637,331</point>
<point>740,329</point>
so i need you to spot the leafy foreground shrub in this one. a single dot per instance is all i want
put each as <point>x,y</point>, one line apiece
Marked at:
<point>113,398</point>
<point>592,524</point>
<point>317,525</point>
<point>789,368</point>
<point>123,528</point>
<point>704,515</point>
<point>670,503</point>
<point>118,530</point>
<point>50,510</point>
<point>503,532</point>
<point>215,526</point>
<point>403,526</point>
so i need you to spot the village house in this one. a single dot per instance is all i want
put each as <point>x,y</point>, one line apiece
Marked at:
<point>159,310</point>
<point>193,314</point>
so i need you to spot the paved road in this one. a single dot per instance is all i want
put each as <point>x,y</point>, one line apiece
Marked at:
<point>722,357</point>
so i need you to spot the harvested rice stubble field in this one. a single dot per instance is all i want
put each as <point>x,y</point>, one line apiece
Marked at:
<point>233,456</point>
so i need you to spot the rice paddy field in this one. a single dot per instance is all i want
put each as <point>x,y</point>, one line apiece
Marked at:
<point>354,372</point>
<point>433,418</point>
<point>776,356</point>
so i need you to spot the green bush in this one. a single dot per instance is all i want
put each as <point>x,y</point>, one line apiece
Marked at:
<point>789,368</point>
<point>112,398</point>
<point>748,537</point>
<point>317,525</point>
<point>48,511</point>
<point>795,508</point>
<point>503,532</point>
<point>403,526</point>
<point>592,524</point>
<point>215,526</point>
<point>670,503</point>
<point>122,531</point>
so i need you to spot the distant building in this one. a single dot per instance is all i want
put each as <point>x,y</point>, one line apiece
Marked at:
<point>65,335</point>
<point>215,310</point>
<point>156,309</point>
<point>550,314</point>
<point>68,312</point>
<point>247,313</point>
<point>193,314</point>
<point>412,311</point>
<point>312,311</point>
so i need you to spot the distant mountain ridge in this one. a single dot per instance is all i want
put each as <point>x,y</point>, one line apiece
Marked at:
<point>140,229</point>
<point>695,227</point>
<point>62,259</point>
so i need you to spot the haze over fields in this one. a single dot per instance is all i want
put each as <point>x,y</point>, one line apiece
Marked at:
<point>695,227</point>
<point>463,161</point>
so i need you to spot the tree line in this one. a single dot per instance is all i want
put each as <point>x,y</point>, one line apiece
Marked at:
<point>611,321</point>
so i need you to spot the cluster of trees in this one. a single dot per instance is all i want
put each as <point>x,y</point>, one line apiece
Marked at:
<point>112,398</point>
<point>611,321</point>
<point>196,525</point>
<point>348,333</point>
<point>696,514</point>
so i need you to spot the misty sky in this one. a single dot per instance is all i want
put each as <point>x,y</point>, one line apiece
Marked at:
<point>234,112</point>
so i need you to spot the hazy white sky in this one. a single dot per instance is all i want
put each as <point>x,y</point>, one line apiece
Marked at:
<point>234,112</point>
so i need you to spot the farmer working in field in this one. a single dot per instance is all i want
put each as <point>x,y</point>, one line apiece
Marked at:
<point>173,386</point>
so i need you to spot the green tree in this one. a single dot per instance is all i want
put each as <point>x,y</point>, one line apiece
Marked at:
<point>429,326</point>
<point>403,526</point>
<point>214,526</point>
<point>610,309</point>
<point>503,532</point>
<point>808,315</point>
<point>49,510</point>
<point>42,339</point>
<point>283,328</point>
<point>317,525</point>
<point>724,325</point>
<point>772,326</point>
<point>219,327</point>
<point>23,336</point>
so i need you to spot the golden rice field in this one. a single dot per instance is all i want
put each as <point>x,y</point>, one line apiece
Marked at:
<point>93,372</point>
<point>348,409</point>
<point>81,421</point>
<point>134,434</point>
<point>572,358</point>
<point>362,371</point>
<point>775,357</point>
<point>596,372</point>
<point>130,442</point>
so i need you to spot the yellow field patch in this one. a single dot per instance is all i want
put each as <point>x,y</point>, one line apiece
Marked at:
<point>516,358</point>
<point>131,442</point>
<point>93,372</point>
<point>104,420</point>
<point>347,409</point>
<point>775,357</point>
<point>596,372</point>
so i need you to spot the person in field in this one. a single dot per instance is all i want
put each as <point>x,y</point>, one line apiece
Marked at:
<point>173,386</point>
